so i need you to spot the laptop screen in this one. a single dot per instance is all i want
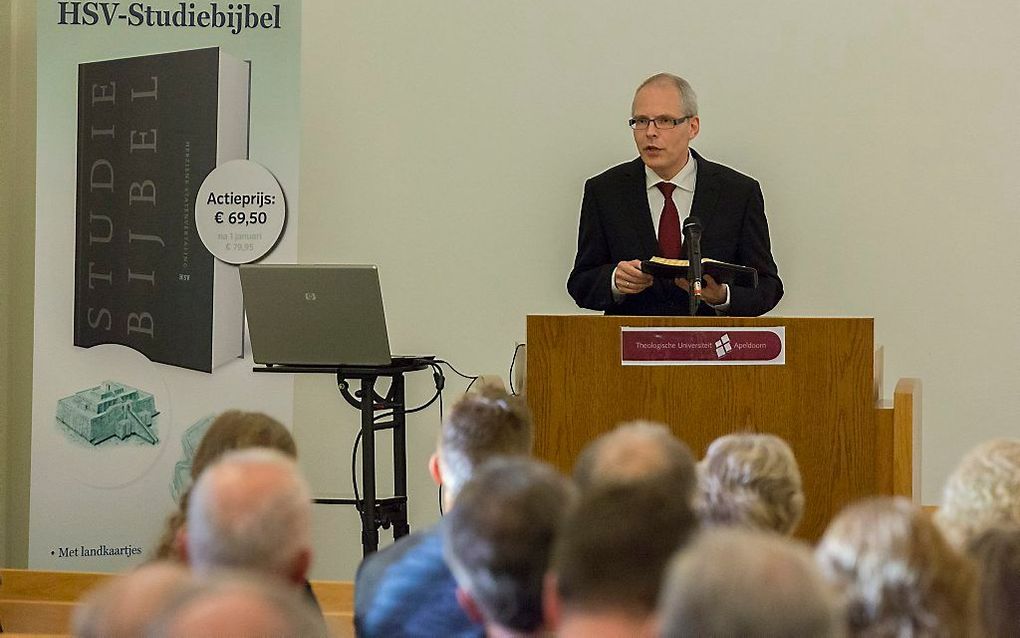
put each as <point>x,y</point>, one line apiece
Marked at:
<point>326,314</point>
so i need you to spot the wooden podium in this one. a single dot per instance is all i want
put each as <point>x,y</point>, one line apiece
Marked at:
<point>825,401</point>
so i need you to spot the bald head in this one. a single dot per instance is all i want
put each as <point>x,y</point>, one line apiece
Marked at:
<point>238,605</point>
<point>251,510</point>
<point>231,611</point>
<point>635,452</point>
<point>124,605</point>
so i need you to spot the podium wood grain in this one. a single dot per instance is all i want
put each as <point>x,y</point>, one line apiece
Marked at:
<point>821,401</point>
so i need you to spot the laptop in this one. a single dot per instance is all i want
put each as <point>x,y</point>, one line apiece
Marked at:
<point>315,315</point>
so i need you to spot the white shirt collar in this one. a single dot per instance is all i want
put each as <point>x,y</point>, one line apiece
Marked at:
<point>684,180</point>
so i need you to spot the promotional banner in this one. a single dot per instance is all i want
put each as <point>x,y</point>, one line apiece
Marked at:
<point>147,113</point>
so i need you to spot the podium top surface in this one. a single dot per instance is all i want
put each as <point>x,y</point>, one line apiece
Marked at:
<point>763,320</point>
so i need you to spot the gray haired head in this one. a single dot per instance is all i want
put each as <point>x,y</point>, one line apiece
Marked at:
<point>637,451</point>
<point>250,510</point>
<point>732,582</point>
<point>499,536</point>
<point>688,98</point>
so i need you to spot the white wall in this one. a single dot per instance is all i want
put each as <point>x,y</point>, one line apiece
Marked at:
<point>448,142</point>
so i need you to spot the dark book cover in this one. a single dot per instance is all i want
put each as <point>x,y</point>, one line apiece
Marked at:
<point>723,272</point>
<point>147,138</point>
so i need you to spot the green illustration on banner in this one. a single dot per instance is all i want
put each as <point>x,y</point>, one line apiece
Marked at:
<point>110,410</point>
<point>189,443</point>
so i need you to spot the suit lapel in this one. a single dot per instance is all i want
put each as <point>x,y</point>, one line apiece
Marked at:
<point>706,188</point>
<point>637,201</point>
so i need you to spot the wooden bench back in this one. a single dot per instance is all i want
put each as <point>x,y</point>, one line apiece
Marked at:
<point>34,602</point>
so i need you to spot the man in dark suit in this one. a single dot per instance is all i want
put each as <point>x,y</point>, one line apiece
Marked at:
<point>408,589</point>
<point>632,212</point>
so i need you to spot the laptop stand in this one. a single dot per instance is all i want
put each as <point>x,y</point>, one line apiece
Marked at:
<point>375,512</point>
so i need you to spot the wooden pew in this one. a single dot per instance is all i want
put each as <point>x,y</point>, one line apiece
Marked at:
<point>336,598</point>
<point>41,603</point>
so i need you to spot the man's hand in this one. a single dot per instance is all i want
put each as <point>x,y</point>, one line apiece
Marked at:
<point>711,292</point>
<point>629,278</point>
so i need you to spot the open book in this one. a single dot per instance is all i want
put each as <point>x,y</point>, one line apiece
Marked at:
<point>723,272</point>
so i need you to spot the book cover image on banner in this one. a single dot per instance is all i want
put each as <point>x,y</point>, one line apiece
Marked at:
<point>150,129</point>
<point>139,329</point>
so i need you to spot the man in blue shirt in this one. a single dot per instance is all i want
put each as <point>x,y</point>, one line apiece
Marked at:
<point>407,589</point>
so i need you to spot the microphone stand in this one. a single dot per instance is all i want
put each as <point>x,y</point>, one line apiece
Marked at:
<point>692,236</point>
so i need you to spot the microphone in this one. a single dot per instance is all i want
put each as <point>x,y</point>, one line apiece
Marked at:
<point>692,237</point>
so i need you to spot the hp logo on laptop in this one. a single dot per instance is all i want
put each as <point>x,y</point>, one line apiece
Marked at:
<point>310,296</point>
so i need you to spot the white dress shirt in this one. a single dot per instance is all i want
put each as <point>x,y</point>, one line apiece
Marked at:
<point>683,197</point>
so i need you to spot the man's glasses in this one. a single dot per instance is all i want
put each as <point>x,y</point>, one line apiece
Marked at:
<point>661,122</point>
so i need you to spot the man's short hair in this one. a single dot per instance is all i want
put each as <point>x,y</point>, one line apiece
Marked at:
<point>637,450</point>
<point>615,546</point>
<point>688,98</point>
<point>751,480</point>
<point>498,538</point>
<point>249,510</point>
<point>898,574</point>
<point>737,582</point>
<point>982,492</point>
<point>480,427</point>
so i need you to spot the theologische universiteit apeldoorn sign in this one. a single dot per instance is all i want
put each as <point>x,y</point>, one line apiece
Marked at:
<point>702,346</point>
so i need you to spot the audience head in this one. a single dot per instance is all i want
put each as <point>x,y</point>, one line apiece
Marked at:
<point>498,538</point>
<point>238,430</point>
<point>751,481</point>
<point>231,430</point>
<point>611,556</point>
<point>742,582</point>
<point>479,427</point>
<point>125,605</point>
<point>637,451</point>
<point>237,604</point>
<point>982,492</point>
<point>997,553</point>
<point>899,575</point>
<point>251,510</point>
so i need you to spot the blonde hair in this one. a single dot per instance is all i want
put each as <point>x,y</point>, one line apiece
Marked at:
<point>898,573</point>
<point>982,492</point>
<point>751,481</point>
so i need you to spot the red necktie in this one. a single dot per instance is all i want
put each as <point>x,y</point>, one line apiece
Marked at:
<point>669,224</point>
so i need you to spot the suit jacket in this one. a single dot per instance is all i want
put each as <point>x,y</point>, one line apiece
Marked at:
<point>616,226</point>
<point>407,590</point>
